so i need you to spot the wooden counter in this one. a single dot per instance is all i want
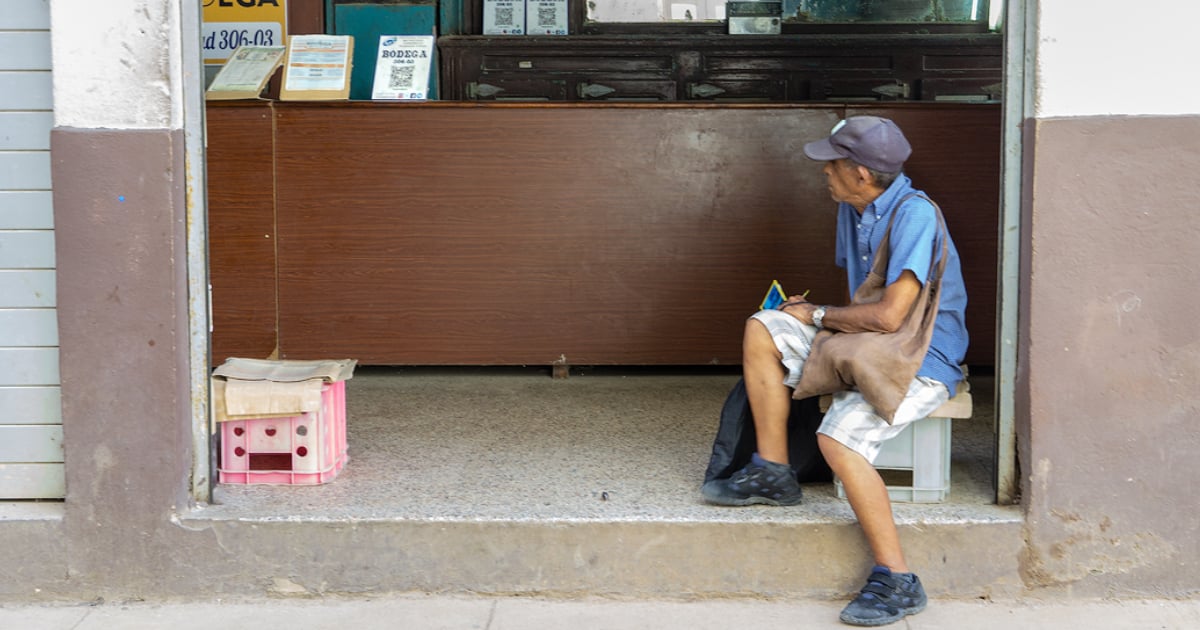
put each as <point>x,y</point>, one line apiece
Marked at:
<point>462,234</point>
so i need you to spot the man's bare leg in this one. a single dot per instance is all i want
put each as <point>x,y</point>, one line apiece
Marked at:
<point>869,499</point>
<point>892,592</point>
<point>770,400</point>
<point>767,478</point>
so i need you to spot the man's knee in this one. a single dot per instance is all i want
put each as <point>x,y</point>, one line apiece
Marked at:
<point>757,339</point>
<point>829,446</point>
<point>837,454</point>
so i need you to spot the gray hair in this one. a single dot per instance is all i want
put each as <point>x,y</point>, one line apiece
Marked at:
<point>883,180</point>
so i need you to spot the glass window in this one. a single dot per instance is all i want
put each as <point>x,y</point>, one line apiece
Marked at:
<point>795,11</point>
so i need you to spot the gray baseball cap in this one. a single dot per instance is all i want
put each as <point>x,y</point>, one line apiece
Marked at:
<point>876,143</point>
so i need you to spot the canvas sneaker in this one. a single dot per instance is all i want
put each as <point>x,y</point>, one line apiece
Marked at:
<point>760,482</point>
<point>888,597</point>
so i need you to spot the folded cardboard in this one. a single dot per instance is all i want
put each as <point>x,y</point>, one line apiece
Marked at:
<point>259,388</point>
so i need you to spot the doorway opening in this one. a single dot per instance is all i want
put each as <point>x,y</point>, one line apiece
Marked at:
<point>1001,380</point>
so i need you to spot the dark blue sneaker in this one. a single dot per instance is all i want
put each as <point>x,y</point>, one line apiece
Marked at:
<point>760,481</point>
<point>887,598</point>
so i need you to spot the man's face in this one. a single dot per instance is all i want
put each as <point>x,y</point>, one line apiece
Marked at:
<point>844,180</point>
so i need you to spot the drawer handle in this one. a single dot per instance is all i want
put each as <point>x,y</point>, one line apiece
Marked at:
<point>594,90</point>
<point>704,90</point>
<point>898,89</point>
<point>994,90</point>
<point>482,90</point>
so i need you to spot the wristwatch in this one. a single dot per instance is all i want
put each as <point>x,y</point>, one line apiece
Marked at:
<point>818,316</point>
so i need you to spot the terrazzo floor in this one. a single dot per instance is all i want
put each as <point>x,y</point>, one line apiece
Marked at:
<point>606,444</point>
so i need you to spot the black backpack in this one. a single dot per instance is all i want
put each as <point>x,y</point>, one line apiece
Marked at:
<point>735,441</point>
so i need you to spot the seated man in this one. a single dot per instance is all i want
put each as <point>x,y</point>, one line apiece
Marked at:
<point>863,158</point>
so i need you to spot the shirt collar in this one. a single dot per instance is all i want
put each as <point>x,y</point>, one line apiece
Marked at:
<point>887,199</point>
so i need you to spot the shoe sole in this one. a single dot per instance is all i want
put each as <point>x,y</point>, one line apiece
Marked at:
<point>727,501</point>
<point>868,623</point>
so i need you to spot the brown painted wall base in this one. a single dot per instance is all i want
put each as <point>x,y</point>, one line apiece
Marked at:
<point>120,219</point>
<point>1112,358</point>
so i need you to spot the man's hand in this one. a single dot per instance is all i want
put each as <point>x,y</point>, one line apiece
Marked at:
<point>799,308</point>
<point>884,316</point>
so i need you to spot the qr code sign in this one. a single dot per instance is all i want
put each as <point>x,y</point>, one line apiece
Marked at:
<point>401,78</point>
<point>546,16</point>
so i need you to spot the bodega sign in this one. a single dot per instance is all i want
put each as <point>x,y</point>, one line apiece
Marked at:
<point>232,23</point>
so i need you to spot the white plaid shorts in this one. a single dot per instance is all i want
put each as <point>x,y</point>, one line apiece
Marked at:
<point>850,420</point>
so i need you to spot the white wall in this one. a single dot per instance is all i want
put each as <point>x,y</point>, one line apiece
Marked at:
<point>1110,57</point>
<point>117,63</point>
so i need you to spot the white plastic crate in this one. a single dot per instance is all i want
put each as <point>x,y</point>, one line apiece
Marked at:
<point>299,450</point>
<point>922,448</point>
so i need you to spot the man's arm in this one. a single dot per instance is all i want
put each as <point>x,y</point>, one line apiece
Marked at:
<point>885,315</point>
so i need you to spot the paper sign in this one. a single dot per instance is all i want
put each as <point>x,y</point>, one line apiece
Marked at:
<point>546,17</point>
<point>229,24</point>
<point>402,67</point>
<point>318,67</point>
<point>503,17</point>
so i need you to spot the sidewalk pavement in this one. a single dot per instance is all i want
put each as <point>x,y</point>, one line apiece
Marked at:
<point>438,612</point>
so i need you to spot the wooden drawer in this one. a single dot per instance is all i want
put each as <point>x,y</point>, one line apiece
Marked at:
<point>501,88</point>
<point>608,89</point>
<point>718,89</point>
<point>962,90</point>
<point>543,62</point>
<point>728,69</point>
<point>880,88</point>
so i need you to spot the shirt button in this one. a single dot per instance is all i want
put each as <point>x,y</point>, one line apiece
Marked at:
<point>859,226</point>
<point>864,257</point>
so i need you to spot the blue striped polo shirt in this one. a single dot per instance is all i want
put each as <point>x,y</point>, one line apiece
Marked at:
<point>915,240</point>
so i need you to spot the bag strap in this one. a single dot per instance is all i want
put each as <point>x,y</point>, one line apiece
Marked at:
<point>883,253</point>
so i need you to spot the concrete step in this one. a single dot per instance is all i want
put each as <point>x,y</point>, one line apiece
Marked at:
<point>507,481</point>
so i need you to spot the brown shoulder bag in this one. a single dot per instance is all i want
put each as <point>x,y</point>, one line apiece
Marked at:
<point>879,365</point>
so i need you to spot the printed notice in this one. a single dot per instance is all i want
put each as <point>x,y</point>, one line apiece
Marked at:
<point>546,17</point>
<point>402,68</point>
<point>246,72</point>
<point>318,67</point>
<point>503,17</point>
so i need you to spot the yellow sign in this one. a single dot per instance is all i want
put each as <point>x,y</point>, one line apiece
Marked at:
<point>232,23</point>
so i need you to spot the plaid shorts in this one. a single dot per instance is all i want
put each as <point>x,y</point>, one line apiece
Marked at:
<point>850,420</point>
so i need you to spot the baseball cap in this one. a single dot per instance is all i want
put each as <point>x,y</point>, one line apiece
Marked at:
<point>876,143</point>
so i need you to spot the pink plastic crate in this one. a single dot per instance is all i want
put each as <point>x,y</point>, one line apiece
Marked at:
<point>306,449</point>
